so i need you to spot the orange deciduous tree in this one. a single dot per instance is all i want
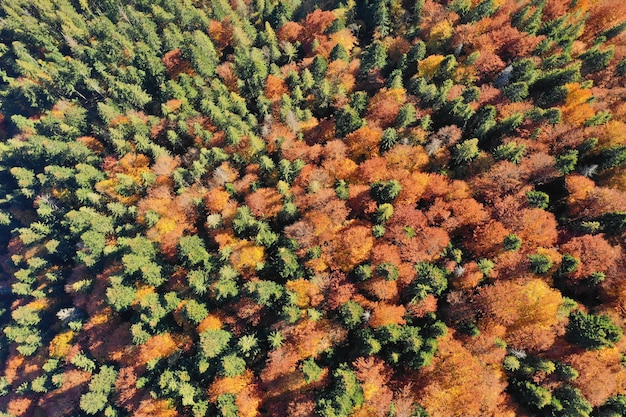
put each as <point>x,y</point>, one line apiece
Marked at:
<point>20,406</point>
<point>526,308</point>
<point>351,246</point>
<point>585,199</point>
<point>230,385</point>
<point>340,290</point>
<point>249,400</point>
<point>536,227</point>
<point>374,375</point>
<point>290,32</point>
<point>308,293</point>
<point>275,87</point>
<point>416,240</point>
<point>216,199</point>
<point>127,395</point>
<point>264,202</point>
<point>383,108</point>
<point>457,384</point>
<point>315,23</point>
<point>600,373</point>
<point>595,255</point>
<point>487,239</point>
<point>363,143</point>
<point>155,408</point>
<point>381,289</point>
<point>158,346</point>
<point>384,314</point>
<point>175,63</point>
<point>577,108</point>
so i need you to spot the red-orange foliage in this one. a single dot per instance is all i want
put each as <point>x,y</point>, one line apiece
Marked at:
<point>413,186</point>
<point>457,384</point>
<point>249,400</point>
<point>536,227</point>
<point>158,346</point>
<point>385,252</point>
<point>538,167</point>
<point>229,385</point>
<point>351,246</point>
<point>127,395</point>
<point>404,401</point>
<point>503,178</point>
<point>487,239</point>
<point>363,143</point>
<point>469,278</point>
<point>438,212</point>
<point>19,368</point>
<point>280,362</point>
<point>374,375</point>
<point>300,407</point>
<point>422,307</point>
<point>340,290</point>
<point>595,255</point>
<point>275,87</point>
<point>526,308</point>
<point>298,149</point>
<point>322,132</point>
<point>601,373</point>
<point>264,202</point>
<point>165,165</point>
<point>465,212</point>
<point>226,73</point>
<point>155,408</point>
<point>360,201</point>
<point>417,241</point>
<point>603,15</point>
<point>20,406</point>
<point>109,342</point>
<point>381,289</point>
<point>309,338</point>
<point>92,143</point>
<point>221,33</point>
<point>175,64</point>
<point>374,169</point>
<point>383,108</point>
<point>176,213</point>
<point>383,314</point>
<point>438,186</point>
<point>316,23</point>
<point>588,200</point>
<point>290,32</point>
<point>312,180</point>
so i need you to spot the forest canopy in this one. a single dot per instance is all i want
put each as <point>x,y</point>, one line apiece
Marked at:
<point>296,208</point>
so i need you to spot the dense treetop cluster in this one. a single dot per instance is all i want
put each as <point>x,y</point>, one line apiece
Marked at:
<point>297,208</point>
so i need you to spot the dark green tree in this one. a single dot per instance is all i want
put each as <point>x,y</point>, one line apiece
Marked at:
<point>592,331</point>
<point>538,199</point>
<point>347,120</point>
<point>385,191</point>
